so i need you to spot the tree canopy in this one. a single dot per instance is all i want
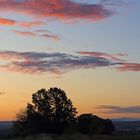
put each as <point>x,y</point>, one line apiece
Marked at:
<point>51,111</point>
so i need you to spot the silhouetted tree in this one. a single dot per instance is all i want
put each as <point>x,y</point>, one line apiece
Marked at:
<point>110,128</point>
<point>50,111</point>
<point>20,124</point>
<point>90,124</point>
<point>84,122</point>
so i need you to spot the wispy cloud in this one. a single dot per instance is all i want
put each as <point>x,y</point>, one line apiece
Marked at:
<point>113,2</point>
<point>39,62</point>
<point>58,63</point>
<point>123,65</point>
<point>58,9</point>
<point>38,33</point>
<point>109,109</point>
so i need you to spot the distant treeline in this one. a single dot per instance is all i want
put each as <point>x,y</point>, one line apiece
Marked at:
<point>52,112</point>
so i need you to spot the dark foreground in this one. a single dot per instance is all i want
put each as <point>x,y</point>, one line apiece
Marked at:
<point>75,137</point>
<point>5,128</point>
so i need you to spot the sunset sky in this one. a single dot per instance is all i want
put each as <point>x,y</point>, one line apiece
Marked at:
<point>88,48</point>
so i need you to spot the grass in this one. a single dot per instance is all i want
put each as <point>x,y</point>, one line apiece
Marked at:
<point>76,137</point>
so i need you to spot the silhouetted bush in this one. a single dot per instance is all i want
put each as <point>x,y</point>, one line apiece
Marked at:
<point>90,124</point>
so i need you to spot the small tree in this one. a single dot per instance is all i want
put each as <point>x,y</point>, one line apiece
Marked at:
<point>84,122</point>
<point>92,124</point>
<point>50,111</point>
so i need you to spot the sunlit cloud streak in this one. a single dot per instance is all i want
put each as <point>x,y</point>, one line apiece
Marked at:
<point>129,67</point>
<point>110,109</point>
<point>104,55</point>
<point>123,65</point>
<point>58,9</point>
<point>7,22</point>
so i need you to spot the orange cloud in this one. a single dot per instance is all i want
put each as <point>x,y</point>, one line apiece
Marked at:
<point>27,24</point>
<point>5,21</point>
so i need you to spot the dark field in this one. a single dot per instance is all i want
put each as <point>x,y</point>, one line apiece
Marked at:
<point>76,137</point>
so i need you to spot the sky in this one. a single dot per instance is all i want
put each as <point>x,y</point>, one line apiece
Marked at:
<point>88,48</point>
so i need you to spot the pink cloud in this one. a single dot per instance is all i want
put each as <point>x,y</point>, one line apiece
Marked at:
<point>59,9</point>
